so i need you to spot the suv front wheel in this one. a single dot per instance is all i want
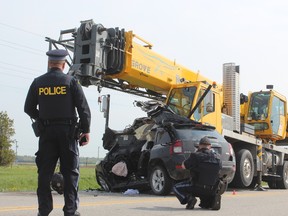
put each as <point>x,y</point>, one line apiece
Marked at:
<point>160,181</point>
<point>103,182</point>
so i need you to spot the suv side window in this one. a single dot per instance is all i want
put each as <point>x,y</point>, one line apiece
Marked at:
<point>162,137</point>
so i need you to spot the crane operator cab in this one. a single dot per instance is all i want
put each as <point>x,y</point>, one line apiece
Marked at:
<point>267,113</point>
<point>183,98</point>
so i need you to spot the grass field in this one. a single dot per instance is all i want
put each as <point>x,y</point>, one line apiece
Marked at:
<point>24,178</point>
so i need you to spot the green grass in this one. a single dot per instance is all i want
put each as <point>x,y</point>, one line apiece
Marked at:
<point>24,178</point>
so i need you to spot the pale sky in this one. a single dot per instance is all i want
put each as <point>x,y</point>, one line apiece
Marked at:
<point>198,34</point>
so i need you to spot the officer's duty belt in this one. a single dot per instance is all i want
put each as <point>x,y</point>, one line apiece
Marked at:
<point>58,122</point>
<point>206,187</point>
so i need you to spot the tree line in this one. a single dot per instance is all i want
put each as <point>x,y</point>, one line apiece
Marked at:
<point>7,155</point>
<point>31,159</point>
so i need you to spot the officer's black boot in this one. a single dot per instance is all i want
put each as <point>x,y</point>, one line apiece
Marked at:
<point>216,203</point>
<point>191,202</point>
<point>76,213</point>
<point>204,206</point>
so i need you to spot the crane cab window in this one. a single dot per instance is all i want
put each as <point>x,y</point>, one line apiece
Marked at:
<point>208,105</point>
<point>277,111</point>
<point>258,109</point>
<point>181,99</point>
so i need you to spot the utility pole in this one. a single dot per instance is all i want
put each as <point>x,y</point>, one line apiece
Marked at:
<point>16,148</point>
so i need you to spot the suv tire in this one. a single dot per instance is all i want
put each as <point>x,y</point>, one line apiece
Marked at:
<point>160,181</point>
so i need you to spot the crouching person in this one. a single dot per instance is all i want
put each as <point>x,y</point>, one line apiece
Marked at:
<point>204,166</point>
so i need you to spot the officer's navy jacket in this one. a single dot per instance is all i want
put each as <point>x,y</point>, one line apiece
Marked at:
<point>54,96</point>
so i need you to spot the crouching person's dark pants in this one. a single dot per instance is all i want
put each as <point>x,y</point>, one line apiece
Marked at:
<point>185,189</point>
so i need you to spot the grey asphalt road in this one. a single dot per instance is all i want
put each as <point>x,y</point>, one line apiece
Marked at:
<point>95,203</point>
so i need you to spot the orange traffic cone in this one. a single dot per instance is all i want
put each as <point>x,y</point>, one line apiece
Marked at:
<point>234,192</point>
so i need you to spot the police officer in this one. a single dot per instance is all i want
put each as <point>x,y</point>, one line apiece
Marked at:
<point>204,166</point>
<point>52,100</point>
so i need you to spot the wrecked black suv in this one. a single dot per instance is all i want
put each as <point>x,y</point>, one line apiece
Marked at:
<point>148,154</point>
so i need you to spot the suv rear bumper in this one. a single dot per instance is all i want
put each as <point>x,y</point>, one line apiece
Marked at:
<point>177,173</point>
<point>228,170</point>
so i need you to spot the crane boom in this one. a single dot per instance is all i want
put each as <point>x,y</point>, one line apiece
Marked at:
<point>124,58</point>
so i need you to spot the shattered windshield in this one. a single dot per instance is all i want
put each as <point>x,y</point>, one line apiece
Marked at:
<point>181,99</point>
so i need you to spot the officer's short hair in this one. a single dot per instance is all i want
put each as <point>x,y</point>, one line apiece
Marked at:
<point>205,141</point>
<point>57,55</point>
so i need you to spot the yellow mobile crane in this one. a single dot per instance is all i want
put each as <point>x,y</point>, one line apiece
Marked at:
<point>120,60</point>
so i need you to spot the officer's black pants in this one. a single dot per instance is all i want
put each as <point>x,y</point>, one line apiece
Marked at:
<point>55,143</point>
<point>185,189</point>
